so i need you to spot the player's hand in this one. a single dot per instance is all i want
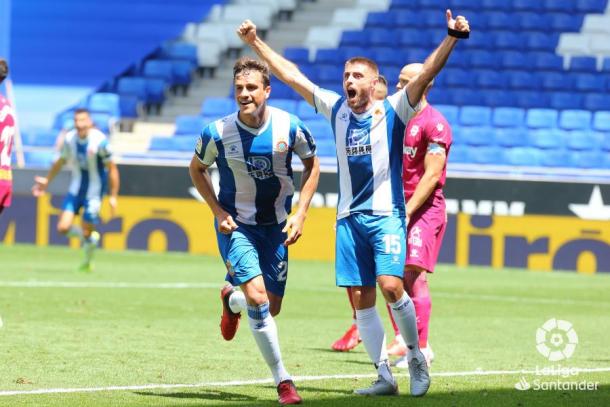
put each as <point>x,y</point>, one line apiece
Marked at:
<point>247,32</point>
<point>112,200</point>
<point>40,186</point>
<point>459,24</point>
<point>294,228</point>
<point>226,224</point>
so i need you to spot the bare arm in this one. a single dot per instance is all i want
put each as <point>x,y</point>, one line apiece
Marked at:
<point>309,184</point>
<point>433,168</point>
<point>202,181</point>
<point>435,61</point>
<point>285,70</point>
<point>41,183</point>
<point>114,180</point>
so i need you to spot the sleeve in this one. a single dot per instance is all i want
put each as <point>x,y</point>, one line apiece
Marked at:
<point>105,152</point>
<point>401,105</point>
<point>324,100</point>
<point>438,134</point>
<point>205,149</point>
<point>64,152</point>
<point>304,144</point>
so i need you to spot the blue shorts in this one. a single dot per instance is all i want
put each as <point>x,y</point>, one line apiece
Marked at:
<point>91,213</point>
<point>252,250</point>
<point>368,246</point>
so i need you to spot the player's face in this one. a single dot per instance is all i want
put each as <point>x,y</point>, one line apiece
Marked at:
<point>250,92</point>
<point>381,91</point>
<point>82,123</point>
<point>406,74</point>
<point>359,82</point>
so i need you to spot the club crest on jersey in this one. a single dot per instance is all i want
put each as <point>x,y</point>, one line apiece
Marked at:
<point>440,127</point>
<point>259,167</point>
<point>344,116</point>
<point>414,130</point>
<point>358,142</point>
<point>281,146</point>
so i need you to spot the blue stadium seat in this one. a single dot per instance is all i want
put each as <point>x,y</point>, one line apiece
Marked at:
<point>510,136</point>
<point>515,60</point>
<point>483,59</point>
<point>523,156</point>
<point>412,38</point>
<point>408,18</point>
<point>184,143</point>
<point>450,113</point>
<point>584,140</point>
<point>601,121</point>
<point>106,103</point>
<point>547,61</point>
<point>606,65</point>
<point>287,105</point>
<point>161,69</point>
<point>354,39</point>
<point>528,21</point>
<point>566,6</point>
<point>522,80</point>
<point>508,117</point>
<point>566,100</point>
<point>379,20</point>
<point>325,147</point>
<point>490,79</point>
<point>529,99</point>
<point>556,158</point>
<point>330,56</point>
<point>583,64</point>
<point>179,50</point>
<point>591,6</point>
<point>466,96</point>
<point>477,135</point>
<point>597,101</point>
<point>133,86</point>
<point>161,144</point>
<point>495,98</point>
<point>382,37</point>
<point>562,22</point>
<point>493,5</point>
<point>589,82</point>
<point>546,138</point>
<point>297,55</point>
<point>541,41</point>
<point>484,154</point>
<point>310,71</point>
<point>39,137</point>
<point>575,120</point>
<point>508,40</point>
<point>330,73</point>
<point>218,106</point>
<point>555,81</point>
<point>605,141</point>
<point>320,129</point>
<point>155,91</point>
<point>102,121</point>
<point>541,118</point>
<point>455,77</point>
<point>129,106</point>
<point>305,111</point>
<point>475,116</point>
<point>587,159</point>
<point>498,20</point>
<point>459,154</point>
<point>388,57</point>
<point>526,5</point>
<point>39,159</point>
<point>189,125</point>
<point>432,18</point>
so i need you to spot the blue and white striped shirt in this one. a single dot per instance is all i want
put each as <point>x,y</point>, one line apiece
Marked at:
<point>256,185</point>
<point>369,152</point>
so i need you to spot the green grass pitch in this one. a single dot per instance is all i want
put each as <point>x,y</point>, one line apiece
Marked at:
<point>152,319</point>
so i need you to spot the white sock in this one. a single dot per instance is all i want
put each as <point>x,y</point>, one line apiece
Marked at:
<point>237,302</point>
<point>75,231</point>
<point>372,334</point>
<point>403,312</point>
<point>264,330</point>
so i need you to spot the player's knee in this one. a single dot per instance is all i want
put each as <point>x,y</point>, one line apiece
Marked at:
<point>392,290</point>
<point>274,309</point>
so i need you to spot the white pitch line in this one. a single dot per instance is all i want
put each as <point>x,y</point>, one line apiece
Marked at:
<point>269,381</point>
<point>182,285</point>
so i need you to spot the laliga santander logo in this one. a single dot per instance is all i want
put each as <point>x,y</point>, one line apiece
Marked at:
<point>556,340</point>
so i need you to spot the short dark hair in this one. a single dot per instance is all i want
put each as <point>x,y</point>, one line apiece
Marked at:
<point>246,64</point>
<point>81,110</point>
<point>3,69</point>
<point>383,80</point>
<point>365,61</point>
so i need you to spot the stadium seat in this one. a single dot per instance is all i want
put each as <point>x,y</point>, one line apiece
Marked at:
<point>597,101</point>
<point>297,55</point>
<point>555,158</point>
<point>133,86</point>
<point>566,6</point>
<point>451,113</point>
<point>459,154</point>
<point>497,98</point>
<point>454,77</point>
<point>218,106</point>
<point>379,20</point>
<point>584,140</point>
<point>189,125</point>
<point>320,130</point>
<point>466,96</point>
<point>583,64</point>
<point>330,56</point>
<point>541,118</point>
<point>493,5</point>
<point>523,156</point>
<point>589,82</point>
<point>508,117</point>
<point>287,105</point>
<point>601,121</point>
<point>540,41</point>
<point>477,135</point>
<point>490,79</point>
<point>508,40</point>
<point>529,99</point>
<point>483,59</point>
<point>510,136</point>
<point>591,6</point>
<point>129,106</point>
<point>103,121</point>
<point>526,5</point>
<point>39,137</point>
<point>562,22</point>
<point>305,111</point>
<point>349,18</point>
<point>575,120</point>
<point>498,20</point>
<point>605,144</point>
<point>354,38</point>
<point>566,100</point>
<point>547,61</point>
<point>475,116</point>
<point>555,81</point>
<point>546,138</point>
<point>522,80</point>
<point>529,21</point>
<point>587,159</point>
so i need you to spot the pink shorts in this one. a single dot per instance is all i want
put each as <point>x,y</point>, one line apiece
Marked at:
<point>425,235</point>
<point>6,192</point>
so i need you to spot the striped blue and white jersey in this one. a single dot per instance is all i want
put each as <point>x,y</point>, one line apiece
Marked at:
<point>256,185</point>
<point>87,158</point>
<point>369,152</point>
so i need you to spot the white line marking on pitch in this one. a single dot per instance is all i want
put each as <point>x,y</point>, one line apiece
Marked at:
<point>179,285</point>
<point>269,381</point>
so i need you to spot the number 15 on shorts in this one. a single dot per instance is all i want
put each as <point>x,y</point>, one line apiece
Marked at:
<point>392,244</point>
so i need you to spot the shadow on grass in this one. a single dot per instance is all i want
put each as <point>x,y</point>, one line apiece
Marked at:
<point>328,397</point>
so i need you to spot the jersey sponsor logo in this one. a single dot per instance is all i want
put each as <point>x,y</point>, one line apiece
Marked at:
<point>259,167</point>
<point>358,142</point>
<point>414,130</point>
<point>409,151</point>
<point>233,150</point>
<point>415,237</point>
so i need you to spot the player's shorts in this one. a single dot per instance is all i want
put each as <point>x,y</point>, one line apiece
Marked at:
<point>91,207</point>
<point>368,246</point>
<point>6,193</point>
<point>425,236</point>
<point>252,250</point>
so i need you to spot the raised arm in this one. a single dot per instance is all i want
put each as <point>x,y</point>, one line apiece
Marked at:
<point>285,70</point>
<point>435,62</point>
